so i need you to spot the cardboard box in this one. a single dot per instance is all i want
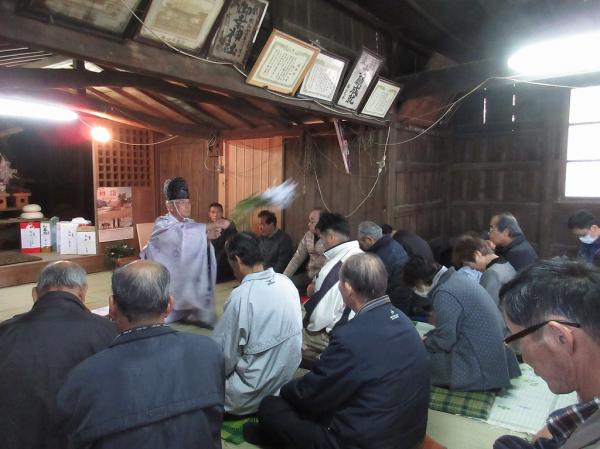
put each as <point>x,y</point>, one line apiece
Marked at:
<point>66,233</point>
<point>30,237</point>
<point>46,237</point>
<point>86,240</point>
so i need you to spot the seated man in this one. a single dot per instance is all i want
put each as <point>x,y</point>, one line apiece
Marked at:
<point>506,234</point>
<point>371,239</point>
<point>260,331</point>
<point>181,245</point>
<point>325,307</point>
<point>215,214</point>
<point>311,248</point>
<point>276,245</point>
<point>552,310</point>
<point>466,349</point>
<point>153,387</point>
<point>359,394</point>
<point>475,253</point>
<point>39,348</point>
<point>586,228</point>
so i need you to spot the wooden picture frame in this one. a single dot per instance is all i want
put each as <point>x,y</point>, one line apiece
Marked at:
<point>282,63</point>
<point>323,80</point>
<point>381,98</point>
<point>107,16</point>
<point>237,31</point>
<point>184,24</point>
<point>365,70</point>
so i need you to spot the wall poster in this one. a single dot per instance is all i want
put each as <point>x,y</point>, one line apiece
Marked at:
<point>115,213</point>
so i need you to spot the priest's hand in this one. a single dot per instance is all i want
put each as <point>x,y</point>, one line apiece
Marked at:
<point>213,230</point>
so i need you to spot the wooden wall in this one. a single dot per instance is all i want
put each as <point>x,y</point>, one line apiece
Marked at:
<point>417,183</point>
<point>514,165</point>
<point>340,192</point>
<point>187,157</point>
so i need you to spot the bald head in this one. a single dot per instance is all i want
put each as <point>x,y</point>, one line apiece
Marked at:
<point>63,276</point>
<point>141,290</point>
<point>365,276</point>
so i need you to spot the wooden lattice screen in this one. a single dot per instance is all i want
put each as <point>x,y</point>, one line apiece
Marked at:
<point>122,165</point>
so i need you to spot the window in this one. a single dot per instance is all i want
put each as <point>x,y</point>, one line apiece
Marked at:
<point>583,147</point>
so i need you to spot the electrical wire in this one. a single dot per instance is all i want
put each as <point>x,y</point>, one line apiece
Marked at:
<point>168,139</point>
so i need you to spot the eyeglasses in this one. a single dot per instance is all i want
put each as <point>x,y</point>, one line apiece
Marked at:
<point>532,329</point>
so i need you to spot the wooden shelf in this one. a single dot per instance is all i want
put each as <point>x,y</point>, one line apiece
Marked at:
<point>19,220</point>
<point>10,209</point>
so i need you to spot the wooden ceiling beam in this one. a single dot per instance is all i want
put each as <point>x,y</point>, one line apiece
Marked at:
<point>104,109</point>
<point>145,59</point>
<point>67,78</point>
<point>181,111</point>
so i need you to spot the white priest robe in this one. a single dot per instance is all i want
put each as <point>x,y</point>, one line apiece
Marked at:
<point>260,333</point>
<point>183,248</point>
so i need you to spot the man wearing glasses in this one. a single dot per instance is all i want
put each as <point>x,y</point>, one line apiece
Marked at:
<point>510,242</point>
<point>181,245</point>
<point>552,310</point>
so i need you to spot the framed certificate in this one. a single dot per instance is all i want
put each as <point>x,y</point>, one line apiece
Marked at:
<point>382,97</point>
<point>363,72</point>
<point>184,24</point>
<point>110,16</point>
<point>323,79</point>
<point>282,63</point>
<point>237,31</point>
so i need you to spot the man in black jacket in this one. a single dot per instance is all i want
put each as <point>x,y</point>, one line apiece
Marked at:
<point>37,351</point>
<point>276,245</point>
<point>153,387</point>
<point>510,241</point>
<point>371,239</point>
<point>358,395</point>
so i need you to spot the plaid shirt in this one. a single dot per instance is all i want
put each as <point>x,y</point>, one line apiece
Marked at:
<point>561,425</point>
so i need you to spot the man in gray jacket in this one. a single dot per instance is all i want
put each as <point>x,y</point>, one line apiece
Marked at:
<point>260,331</point>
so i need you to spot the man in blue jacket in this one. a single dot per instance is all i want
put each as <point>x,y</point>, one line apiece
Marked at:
<point>360,394</point>
<point>153,388</point>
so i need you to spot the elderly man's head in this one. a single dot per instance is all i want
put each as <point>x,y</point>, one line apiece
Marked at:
<point>552,310</point>
<point>584,225</point>
<point>368,234</point>
<point>140,294</point>
<point>267,223</point>
<point>333,229</point>
<point>64,276</point>
<point>504,228</point>
<point>363,277</point>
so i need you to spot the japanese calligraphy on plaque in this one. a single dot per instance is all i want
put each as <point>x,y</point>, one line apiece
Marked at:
<point>182,23</point>
<point>236,33</point>
<point>282,63</point>
<point>106,15</point>
<point>323,79</point>
<point>381,98</point>
<point>364,71</point>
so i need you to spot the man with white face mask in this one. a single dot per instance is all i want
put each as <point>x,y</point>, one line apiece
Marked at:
<point>181,245</point>
<point>586,228</point>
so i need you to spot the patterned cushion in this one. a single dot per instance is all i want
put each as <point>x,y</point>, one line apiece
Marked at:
<point>474,404</point>
<point>232,431</point>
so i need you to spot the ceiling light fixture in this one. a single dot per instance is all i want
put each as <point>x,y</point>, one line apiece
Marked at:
<point>100,134</point>
<point>569,55</point>
<point>31,109</point>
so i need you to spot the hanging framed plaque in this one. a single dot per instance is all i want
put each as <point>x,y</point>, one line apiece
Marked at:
<point>323,80</point>
<point>282,63</point>
<point>237,31</point>
<point>381,98</point>
<point>184,24</point>
<point>109,16</point>
<point>361,76</point>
